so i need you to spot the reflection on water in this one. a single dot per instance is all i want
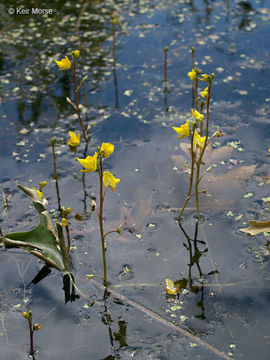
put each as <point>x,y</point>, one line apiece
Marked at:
<point>195,254</point>
<point>135,109</point>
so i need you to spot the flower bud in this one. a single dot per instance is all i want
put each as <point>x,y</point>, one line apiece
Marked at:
<point>204,78</point>
<point>92,205</point>
<point>53,141</point>
<point>194,125</point>
<point>64,222</point>
<point>42,185</point>
<point>25,315</point>
<point>118,230</point>
<point>76,53</point>
<point>36,327</point>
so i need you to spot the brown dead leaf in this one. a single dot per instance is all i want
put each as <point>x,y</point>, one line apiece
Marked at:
<point>256,227</point>
<point>221,187</point>
<point>233,178</point>
<point>211,155</point>
<point>132,221</point>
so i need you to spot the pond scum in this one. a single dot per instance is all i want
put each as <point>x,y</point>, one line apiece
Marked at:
<point>47,241</point>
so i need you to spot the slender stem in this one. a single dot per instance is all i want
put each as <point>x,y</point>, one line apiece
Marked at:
<point>76,95</point>
<point>55,175</point>
<point>114,67</point>
<point>100,216</point>
<point>114,45</point>
<point>58,195</point>
<point>111,231</point>
<point>76,92</point>
<point>68,239</point>
<point>31,333</point>
<point>190,179</point>
<point>196,94</point>
<point>197,189</point>
<point>199,161</point>
<point>193,81</point>
<point>201,122</point>
<point>165,64</point>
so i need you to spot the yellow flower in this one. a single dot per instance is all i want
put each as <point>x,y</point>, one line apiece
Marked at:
<point>109,180</point>
<point>198,116</point>
<point>269,150</point>
<point>74,139</point>
<point>192,74</point>
<point>64,222</point>
<point>198,140</point>
<point>63,64</point>
<point>107,149</point>
<point>40,194</point>
<point>204,93</point>
<point>76,53</point>
<point>90,163</point>
<point>171,288</point>
<point>204,78</point>
<point>183,130</point>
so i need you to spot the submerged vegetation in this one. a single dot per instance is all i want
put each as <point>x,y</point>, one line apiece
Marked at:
<point>115,242</point>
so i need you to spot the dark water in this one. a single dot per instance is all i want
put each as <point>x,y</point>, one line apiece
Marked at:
<point>226,302</point>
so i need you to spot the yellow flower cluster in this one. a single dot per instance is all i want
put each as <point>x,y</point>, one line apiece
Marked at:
<point>90,164</point>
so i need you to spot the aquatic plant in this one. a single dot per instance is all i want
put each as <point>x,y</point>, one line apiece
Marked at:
<point>32,328</point>
<point>198,133</point>
<point>44,241</point>
<point>92,164</point>
<point>65,64</point>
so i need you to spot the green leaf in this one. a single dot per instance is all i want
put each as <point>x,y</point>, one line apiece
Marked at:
<point>43,241</point>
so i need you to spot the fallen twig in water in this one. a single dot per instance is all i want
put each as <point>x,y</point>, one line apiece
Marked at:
<point>163,321</point>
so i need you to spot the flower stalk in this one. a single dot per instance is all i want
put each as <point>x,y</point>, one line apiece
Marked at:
<point>165,64</point>
<point>100,217</point>
<point>29,316</point>
<point>76,95</point>
<point>188,196</point>
<point>106,179</point>
<point>199,134</point>
<point>206,142</point>
<point>64,222</point>
<point>55,175</point>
